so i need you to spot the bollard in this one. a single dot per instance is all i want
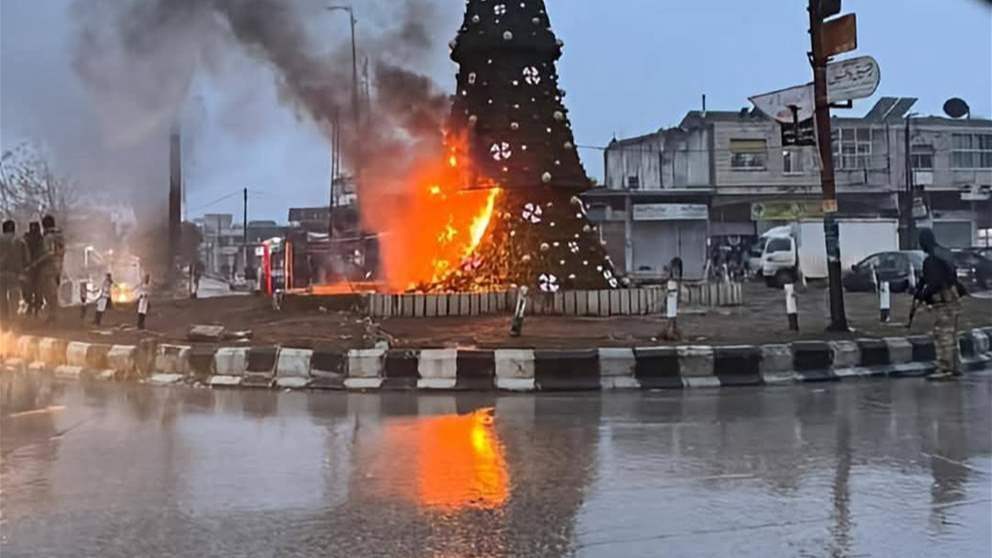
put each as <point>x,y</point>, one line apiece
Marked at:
<point>517,324</point>
<point>84,287</point>
<point>791,307</point>
<point>874,278</point>
<point>912,277</point>
<point>672,300</point>
<point>884,301</point>
<point>671,331</point>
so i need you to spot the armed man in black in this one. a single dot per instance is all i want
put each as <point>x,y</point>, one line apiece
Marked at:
<point>941,291</point>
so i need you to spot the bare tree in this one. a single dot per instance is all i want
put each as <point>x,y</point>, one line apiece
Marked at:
<point>31,188</point>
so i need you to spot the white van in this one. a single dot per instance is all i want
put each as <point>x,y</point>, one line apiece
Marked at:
<point>803,250</point>
<point>758,248</point>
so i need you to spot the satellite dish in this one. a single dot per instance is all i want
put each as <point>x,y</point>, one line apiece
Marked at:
<point>956,108</point>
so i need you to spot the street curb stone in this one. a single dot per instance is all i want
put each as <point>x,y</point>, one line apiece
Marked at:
<point>646,368</point>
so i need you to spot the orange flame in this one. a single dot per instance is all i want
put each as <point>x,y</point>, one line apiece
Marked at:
<point>445,218</point>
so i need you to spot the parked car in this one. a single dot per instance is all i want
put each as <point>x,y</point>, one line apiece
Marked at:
<point>893,267</point>
<point>974,266</point>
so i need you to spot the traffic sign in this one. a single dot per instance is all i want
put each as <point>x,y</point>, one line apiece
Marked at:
<point>855,78</point>
<point>839,35</point>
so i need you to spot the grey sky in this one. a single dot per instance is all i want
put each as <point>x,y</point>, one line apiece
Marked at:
<point>630,67</point>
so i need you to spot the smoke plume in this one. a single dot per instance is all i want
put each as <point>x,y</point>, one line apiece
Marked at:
<point>138,58</point>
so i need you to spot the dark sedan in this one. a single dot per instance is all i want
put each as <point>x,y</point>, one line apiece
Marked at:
<point>974,266</point>
<point>893,267</point>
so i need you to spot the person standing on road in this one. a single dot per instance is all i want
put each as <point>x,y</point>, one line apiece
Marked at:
<point>50,267</point>
<point>105,301</point>
<point>941,291</point>
<point>13,263</point>
<point>144,292</point>
<point>35,243</point>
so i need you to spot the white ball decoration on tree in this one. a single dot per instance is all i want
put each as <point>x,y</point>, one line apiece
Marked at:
<point>546,177</point>
<point>507,35</point>
<point>559,115</point>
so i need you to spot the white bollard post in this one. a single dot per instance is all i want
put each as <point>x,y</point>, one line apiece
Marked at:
<point>912,277</point>
<point>791,308</point>
<point>884,301</point>
<point>517,324</point>
<point>672,300</point>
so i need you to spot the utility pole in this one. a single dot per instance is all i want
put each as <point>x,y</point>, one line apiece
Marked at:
<point>819,59</point>
<point>244,238</point>
<point>909,197</point>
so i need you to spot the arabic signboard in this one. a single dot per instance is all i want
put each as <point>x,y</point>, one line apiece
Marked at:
<point>839,35</point>
<point>785,210</point>
<point>670,212</point>
<point>855,78</point>
<point>777,104</point>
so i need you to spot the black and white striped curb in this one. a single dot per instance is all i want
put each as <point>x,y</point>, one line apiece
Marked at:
<point>667,367</point>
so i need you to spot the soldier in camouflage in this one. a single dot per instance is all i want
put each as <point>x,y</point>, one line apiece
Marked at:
<point>941,291</point>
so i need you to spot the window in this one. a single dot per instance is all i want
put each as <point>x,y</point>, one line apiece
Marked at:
<point>921,157</point>
<point>971,151</point>
<point>633,182</point>
<point>779,245</point>
<point>792,161</point>
<point>852,147</point>
<point>748,154</point>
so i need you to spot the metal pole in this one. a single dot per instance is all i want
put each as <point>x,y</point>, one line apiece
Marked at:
<point>354,67</point>
<point>244,238</point>
<point>910,193</point>
<point>838,318</point>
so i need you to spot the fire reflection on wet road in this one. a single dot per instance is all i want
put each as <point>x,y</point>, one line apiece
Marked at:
<point>872,468</point>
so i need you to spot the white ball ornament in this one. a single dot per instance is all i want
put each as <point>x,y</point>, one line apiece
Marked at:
<point>507,35</point>
<point>546,177</point>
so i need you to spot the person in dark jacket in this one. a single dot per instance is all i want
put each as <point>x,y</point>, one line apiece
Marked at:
<point>941,291</point>
<point>36,249</point>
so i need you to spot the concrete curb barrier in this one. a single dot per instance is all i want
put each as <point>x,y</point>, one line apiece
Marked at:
<point>172,359</point>
<point>293,368</point>
<point>260,370</point>
<point>514,369</point>
<point>438,369</point>
<point>365,368</point>
<point>328,369</point>
<point>647,368</point>
<point>617,369</point>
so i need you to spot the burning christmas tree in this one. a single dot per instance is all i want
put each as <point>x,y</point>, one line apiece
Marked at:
<point>502,208</point>
<point>509,124</point>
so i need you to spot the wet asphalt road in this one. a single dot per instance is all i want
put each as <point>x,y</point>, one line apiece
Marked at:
<point>879,468</point>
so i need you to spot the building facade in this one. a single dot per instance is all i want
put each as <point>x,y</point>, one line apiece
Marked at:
<point>706,188</point>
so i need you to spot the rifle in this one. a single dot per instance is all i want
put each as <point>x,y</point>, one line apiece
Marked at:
<point>912,312</point>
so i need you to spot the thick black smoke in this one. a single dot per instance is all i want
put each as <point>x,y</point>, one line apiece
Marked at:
<point>138,58</point>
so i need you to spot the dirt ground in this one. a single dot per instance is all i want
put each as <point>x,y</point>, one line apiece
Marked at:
<point>761,320</point>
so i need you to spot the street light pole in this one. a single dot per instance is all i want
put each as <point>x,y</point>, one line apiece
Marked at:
<point>354,58</point>
<point>244,237</point>
<point>838,317</point>
<point>355,109</point>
